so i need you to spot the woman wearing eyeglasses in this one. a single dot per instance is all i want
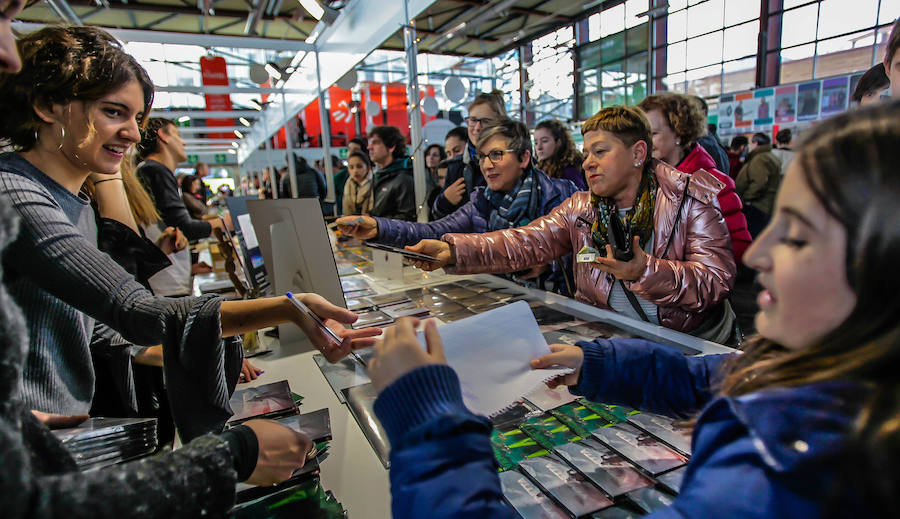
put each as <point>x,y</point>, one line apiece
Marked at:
<point>516,193</point>
<point>463,177</point>
<point>688,269</point>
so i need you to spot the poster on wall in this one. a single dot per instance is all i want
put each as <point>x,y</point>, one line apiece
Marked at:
<point>765,107</point>
<point>808,101</point>
<point>726,114</point>
<point>834,96</point>
<point>744,110</point>
<point>854,80</point>
<point>785,104</point>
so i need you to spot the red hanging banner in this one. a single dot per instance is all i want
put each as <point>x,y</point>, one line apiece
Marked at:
<point>213,72</point>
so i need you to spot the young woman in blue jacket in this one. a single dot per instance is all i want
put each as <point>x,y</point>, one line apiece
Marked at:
<point>803,424</point>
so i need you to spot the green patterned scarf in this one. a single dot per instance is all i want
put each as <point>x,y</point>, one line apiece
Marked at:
<point>638,219</point>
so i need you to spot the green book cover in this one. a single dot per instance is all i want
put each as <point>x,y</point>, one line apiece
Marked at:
<point>580,418</point>
<point>613,413</point>
<point>511,446</point>
<point>548,431</point>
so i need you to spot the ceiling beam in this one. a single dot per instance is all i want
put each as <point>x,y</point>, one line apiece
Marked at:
<point>210,141</point>
<point>210,129</point>
<point>184,38</point>
<point>181,89</point>
<point>517,10</point>
<point>203,114</point>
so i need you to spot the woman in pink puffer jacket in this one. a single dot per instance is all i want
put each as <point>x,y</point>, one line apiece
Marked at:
<point>688,269</point>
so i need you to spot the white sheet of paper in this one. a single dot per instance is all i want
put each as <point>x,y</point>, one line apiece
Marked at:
<point>491,353</point>
<point>248,231</point>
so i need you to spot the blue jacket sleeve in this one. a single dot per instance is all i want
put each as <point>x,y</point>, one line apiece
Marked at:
<point>647,376</point>
<point>399,233</point>
<point>442,465</point>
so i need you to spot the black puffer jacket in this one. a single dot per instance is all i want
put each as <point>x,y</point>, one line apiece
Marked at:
<point>394,191</point>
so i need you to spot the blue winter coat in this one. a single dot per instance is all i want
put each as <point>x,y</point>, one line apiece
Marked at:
<point>470,218</point>
<point>769,454</point>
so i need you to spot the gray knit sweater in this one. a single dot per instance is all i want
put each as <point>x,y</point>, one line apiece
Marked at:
<point>39,479</point>
<point>58,277</point>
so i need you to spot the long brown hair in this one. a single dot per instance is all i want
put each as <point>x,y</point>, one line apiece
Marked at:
<point>141,204</point>
<point>565,153</point>
<point>849,161</point>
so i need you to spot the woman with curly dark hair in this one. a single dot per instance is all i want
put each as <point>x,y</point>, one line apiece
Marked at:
<point>678,121</point>
<point>556,153</point>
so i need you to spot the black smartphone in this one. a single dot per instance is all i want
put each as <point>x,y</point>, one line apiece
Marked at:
<point>405,253</point>
<point>619,242</point>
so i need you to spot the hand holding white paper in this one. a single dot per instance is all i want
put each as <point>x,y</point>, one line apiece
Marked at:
<point>491,352</point>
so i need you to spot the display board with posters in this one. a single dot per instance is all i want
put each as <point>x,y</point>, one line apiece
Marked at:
<point>834,96</point>
<point>785,104</point>
<point>744,110</point>
<point>808,95</point>
<point>726,113</point>
<point>765,107</point>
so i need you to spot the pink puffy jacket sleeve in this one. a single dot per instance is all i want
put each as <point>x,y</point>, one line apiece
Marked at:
<point>704,274</point>
<point>510,250</point>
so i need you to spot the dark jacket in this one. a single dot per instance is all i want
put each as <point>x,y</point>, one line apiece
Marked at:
<point>340,180</point>
<point>394,191</point>
<point>773,453</point>
<point>159,181</point>
<point>716,151</point>
<point>310,184</point>
<point>464,167</point>
<point>758,181</point>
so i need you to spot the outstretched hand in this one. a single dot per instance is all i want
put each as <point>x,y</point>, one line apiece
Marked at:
<point>335,318</point>
<point>564,355</point>
<point>360,227</point>
<point>434,248</point>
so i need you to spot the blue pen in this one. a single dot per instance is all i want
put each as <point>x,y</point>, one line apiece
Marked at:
<point>329,333</point>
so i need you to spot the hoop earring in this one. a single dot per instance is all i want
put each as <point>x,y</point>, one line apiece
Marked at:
<point>62,137</point>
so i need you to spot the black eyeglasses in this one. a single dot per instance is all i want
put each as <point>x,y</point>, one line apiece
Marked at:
<point>495,156</point>
<point>473,121</point>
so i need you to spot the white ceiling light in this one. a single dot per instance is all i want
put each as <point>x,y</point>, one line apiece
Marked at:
<point>319,11</point>
<point>184,119</point>
<point>234,144</point>
<point>245,122</point>
<point>239,134</point>
<point>273,71</point>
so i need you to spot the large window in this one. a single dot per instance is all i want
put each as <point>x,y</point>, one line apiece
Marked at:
<point>823,38</point>
<point>709,46</point>
<point>550,72</point>
<point>613,67</point>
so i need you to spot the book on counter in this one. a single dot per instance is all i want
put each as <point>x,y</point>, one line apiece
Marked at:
<point>640,448</point>
<point>603,467</point>
<point>527,499</point>
<point>361,401</point>
<point>566,486</point>
<point>100,442</point>
<point>265,401</point>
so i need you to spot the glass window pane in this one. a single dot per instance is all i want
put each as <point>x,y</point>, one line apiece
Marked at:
<point>706,81</point>
<point>636,93</point>
<point>613,47</point>
<point>705,17</point>
<point>674,82</point>
<point>890,11</point>
<point>842,16</point>
<point>676,27</point>
<point>675,5</point>
<point>797,63</point>
<point>612,20</point>
<point>794,3</point>
<point>798,26</point>
<point>737,11</point>
<point>883,35</point>
<point>844,54</point>
<point>634,8</point>
<point>612,75</point>
<point>636,68</point>
<point>637,39</point>
<point>704,50</point>
<point>594,27</point>
<point>676,58</point>
<point>739,75</point>
<point>741,41</point>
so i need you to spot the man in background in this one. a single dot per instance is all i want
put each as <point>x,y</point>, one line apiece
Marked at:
<point>758,182</point>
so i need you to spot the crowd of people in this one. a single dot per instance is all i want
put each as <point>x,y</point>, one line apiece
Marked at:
<point>94,228</point>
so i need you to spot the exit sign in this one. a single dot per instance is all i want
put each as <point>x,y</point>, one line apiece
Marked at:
<point>221,158</point>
